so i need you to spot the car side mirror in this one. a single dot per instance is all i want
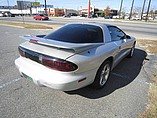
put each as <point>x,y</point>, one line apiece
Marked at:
<point>128,37</point>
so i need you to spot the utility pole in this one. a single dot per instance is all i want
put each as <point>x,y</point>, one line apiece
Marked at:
<point>36,7</point>
<point>120,10</point>
<point>131,9</point>
<point>45,8</point>
<point>148,11</point>
<point>88,9</point>
<point>143,9</point>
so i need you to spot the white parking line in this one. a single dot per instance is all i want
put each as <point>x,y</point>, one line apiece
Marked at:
<point>8,83</point>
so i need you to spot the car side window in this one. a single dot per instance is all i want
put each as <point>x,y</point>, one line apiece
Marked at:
<point>116,33</point>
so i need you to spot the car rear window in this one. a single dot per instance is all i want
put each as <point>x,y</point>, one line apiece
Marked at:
<point>77,33</point>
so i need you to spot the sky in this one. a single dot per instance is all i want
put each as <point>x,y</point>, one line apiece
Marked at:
<point>78,4</point>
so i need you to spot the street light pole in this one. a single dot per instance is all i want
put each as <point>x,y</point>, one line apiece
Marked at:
<point>120,10</point>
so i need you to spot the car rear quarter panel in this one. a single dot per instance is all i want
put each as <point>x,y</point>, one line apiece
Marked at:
<point>93,58</point>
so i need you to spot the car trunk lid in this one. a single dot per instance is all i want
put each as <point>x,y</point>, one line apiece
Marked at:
<point>56,48</point>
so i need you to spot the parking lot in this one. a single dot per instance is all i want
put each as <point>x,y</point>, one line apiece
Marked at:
<point>125,94</point>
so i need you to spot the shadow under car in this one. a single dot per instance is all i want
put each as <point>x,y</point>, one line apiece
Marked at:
<point>122,75</point>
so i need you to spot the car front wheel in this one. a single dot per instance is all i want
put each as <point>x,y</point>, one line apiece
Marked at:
<point>102,75</point>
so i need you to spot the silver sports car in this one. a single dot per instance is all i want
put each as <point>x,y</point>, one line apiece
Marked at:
<point>74,56</point>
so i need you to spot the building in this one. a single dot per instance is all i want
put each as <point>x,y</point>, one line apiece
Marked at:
<point>38,10</point>
<point>61,12</point>
<point>98,11</point>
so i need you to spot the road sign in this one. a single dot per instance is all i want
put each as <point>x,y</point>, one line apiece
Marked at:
<point>23,5</point>
<point>36,4</point>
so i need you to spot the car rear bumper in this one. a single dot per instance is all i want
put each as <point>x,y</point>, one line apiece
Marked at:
<point>45,18</point>
<point>43,76</point>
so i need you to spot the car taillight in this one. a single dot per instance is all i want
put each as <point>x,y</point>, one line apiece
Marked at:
<point>58,64</point>
<point>51,62</point>
<point>33,41</point>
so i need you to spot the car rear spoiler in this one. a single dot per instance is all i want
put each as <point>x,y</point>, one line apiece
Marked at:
<point>60,45</point>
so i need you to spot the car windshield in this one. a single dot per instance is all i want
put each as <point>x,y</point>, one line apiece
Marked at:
<point>77,33</point>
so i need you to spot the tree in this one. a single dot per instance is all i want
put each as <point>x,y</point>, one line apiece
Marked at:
<point>152,13</point>
<point>131,9</point>
<point>143,9</point>
<point>120,9</point>
<point>107,11</point>
<point>136,11</point>
<point>123,13</point>
<point>148,10</point>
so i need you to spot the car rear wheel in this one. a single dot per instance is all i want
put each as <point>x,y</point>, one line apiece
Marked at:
<point>131,51</point>
<point>102,75</point>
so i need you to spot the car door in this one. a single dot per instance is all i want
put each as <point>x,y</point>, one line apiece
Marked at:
<point>120,39</point>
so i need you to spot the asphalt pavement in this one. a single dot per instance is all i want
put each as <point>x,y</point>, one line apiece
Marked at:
<point>141,30</point>
<point>124,96</point>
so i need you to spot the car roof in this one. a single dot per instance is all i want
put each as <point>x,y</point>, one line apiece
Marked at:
<point>93,23</point>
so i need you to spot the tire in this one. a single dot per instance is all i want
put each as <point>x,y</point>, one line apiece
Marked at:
<point>131,51</point>
<point>102,75</point>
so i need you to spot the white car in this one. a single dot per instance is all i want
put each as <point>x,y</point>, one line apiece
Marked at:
<point>136,18</point>
<point>74,56</point>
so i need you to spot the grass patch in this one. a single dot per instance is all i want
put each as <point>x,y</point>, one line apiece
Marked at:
<point>27,25</point>
<point>151,111</point>
<point>148,45</point>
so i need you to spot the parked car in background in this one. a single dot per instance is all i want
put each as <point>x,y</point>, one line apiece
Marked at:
<point>67,15</point>
<point>83,15</point>
<point>1,15</point>
<point>136,18</point>
<point>74,56</point>
<point>147,18</point>
<point>6,14</point>
<point>41,17</point>
<point>70,14</point>
<point>116,17</point>
<point>108,17</point>
<point>93,16</point>
<point>10,15</point>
